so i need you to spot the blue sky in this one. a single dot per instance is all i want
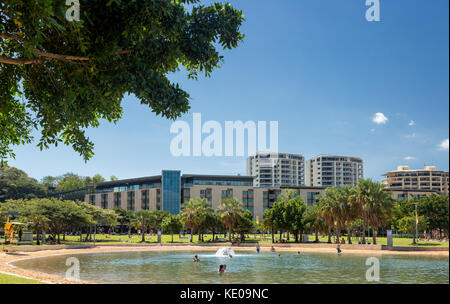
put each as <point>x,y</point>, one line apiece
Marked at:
<point>319,69</point>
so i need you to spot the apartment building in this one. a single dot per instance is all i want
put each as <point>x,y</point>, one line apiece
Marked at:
<point>275,170</point>
<point>428,178</point>
<point>333,171</point>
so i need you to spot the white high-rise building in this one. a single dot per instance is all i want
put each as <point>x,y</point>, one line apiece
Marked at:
<point>333,171</point>
<point>276,169</point>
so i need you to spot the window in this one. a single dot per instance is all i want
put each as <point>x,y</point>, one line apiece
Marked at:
<point>117,200</point>
<point>145,201</point>
<point>130,200</point>
<point>92,199</point>
<point>104,201</point>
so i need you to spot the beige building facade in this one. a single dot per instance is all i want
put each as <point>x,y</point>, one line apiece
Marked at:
<point>428,178</point>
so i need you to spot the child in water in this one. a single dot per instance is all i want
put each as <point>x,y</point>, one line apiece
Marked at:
<point>222,268</point>
<point>339,251</point>
<point>196,259</point>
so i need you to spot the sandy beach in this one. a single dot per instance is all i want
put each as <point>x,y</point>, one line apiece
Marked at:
<point>7,259</point>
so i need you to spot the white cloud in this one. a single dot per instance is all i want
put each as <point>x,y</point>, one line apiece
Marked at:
<point>412,123</point>
<point>411,135</point>
<point>409,158</point>
<point>444,144</point>
<point>379,118</point>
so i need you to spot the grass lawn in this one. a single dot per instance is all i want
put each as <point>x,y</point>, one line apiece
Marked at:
<point>10,279</point>
<point>252,238</point>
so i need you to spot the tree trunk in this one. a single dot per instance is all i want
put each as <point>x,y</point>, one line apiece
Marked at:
<point>374,235</point>
<point>192,236</point>
<point>364,232</point>
<point>143,236</point>
<point>37,238</point>
<point>59,241</point>
<point>349,235</point>
<point>296,236</point>
<point>329,235</point>
<point>273,236</point>
<point>172,236</point>
<point>281,236</point>
<point>213,236</point>
<point>317,236</point>
<point>229,233</point>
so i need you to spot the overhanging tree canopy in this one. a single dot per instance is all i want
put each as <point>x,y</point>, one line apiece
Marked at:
<point>61,77</point>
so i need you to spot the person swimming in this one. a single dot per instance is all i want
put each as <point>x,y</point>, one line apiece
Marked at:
<point>230,256</point>
<point>196,259</point>
<point>222,268</point>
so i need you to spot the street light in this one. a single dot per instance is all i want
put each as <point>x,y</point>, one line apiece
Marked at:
<point>416,239</point>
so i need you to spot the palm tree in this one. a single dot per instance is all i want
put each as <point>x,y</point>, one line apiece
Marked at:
<point>193,212</point>
<point>327,209</point>
<point>230,210</point>
<point>142,220</point>
<point>348,210</point>
<point>360,198</point>
<point>378,208</point>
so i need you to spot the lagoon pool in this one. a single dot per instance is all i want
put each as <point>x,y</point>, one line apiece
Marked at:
<point>244,268</point>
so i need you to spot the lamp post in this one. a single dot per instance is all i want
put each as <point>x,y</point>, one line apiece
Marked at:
<point>416,241</point>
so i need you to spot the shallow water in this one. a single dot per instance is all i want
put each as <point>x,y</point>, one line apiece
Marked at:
<point>246,267</point>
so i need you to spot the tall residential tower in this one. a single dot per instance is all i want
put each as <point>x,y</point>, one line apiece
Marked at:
<point>276,169</point>
<point>333,171</point>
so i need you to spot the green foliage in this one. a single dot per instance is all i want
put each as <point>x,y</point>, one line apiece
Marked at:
<point>287,213</point>
<point>230,210</point>
<point>62,77</point>
<point>16,184</point>
<point>172,224</point>
<point>407,224</point>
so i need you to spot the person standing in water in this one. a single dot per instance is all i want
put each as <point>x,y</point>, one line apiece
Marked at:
<point>339,251</point>
<point>257,248</point>
<point>196,259</point>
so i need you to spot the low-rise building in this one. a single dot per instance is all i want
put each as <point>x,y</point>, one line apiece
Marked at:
<point>170,190</point>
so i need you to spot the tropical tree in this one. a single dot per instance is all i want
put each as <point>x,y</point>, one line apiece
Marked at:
<point>244,223</point>
<point>347,209</point>
<point>60,75</point>
<point>172,224</point>
<point>378,208</point>
<point>360,197</point>
<point>436,209</point>
<point>407,224</point>
<point>192,214</point>
<point>292,209</point>
<point>230,210</point>
<point>142,220</point>
<point>328,207</point>
<point>16,184</point>
<point>268,222</point>
<point>312,221</point>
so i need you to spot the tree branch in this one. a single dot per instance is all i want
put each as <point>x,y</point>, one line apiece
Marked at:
<point>46,55</point>
<point>19,61</point>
